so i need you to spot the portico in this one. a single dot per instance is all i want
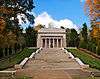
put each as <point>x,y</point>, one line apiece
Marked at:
<point>51,38</point>
<point>52,42</point>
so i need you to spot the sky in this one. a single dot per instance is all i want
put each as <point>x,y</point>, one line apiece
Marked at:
<point>60,10</point>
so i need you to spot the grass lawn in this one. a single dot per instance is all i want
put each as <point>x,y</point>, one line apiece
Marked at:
<point>16,58</point>
<point>86,58</point>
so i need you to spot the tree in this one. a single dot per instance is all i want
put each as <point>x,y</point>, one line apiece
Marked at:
<point>83,37</point>
<point>31,37</point>
<point>12,8</point>
<point>84,32</point>
<point>74,40</point>
<point>18,31</point>
<point>95,34</point>
<point>2,24</point>
<point>11,36</point>
<point>92,9</point>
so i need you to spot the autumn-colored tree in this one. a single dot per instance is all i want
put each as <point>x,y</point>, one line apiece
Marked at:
<point>92,9</point>
<point>2,24</point>
<point>95,31</point>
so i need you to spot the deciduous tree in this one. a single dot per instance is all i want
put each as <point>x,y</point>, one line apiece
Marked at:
<point>92,9</point>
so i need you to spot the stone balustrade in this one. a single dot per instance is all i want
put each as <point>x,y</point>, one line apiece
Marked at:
<point>23,62</point>
<point>20,66</point>
<point>66,51</point>
<point>37,51</point>
<point>82,65</point>
<point>12,72</point>
<point>32,55</point>
<point>70,55</point>
<point>62,48</point>
<point>79,61</point>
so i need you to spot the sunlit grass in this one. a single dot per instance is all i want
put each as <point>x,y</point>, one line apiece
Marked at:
<point>86,58</point>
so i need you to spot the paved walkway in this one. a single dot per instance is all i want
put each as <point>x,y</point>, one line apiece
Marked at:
<point>50,64</point>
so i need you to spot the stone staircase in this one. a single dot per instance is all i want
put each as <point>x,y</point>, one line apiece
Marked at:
<point>52,64</point>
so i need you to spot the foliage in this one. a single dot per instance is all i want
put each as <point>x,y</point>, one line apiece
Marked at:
<point>92,9</point>
<point>98,48</point>
<point>84,32</point>
<point>12,8</point>
<point>12,38</point>
<point>24,77</point>
<point>86,58</point>
<point>31,37</point>
<point>95,33</point>
<point>15,59</point>
<point>91,46</point>
<point>83,37</point>
<point>73,38</point>
<point>82,44</point>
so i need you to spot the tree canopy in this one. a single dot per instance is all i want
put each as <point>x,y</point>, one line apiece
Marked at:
<point>92,9</point>
<point>12,38</point>
<point>10,9</point>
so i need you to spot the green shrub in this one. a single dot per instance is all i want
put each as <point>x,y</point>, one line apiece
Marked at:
<point>98,50</point>
<point>83,44</point>
<point>91,47</point>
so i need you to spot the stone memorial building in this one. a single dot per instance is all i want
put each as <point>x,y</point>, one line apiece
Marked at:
<point>51,38</point>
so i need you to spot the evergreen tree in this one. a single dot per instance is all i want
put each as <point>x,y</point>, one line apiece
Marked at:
<point>74,40</point>
<point>84,32</point>
<point>31,37</point>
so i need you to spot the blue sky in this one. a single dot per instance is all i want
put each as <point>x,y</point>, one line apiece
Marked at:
<point>62,9</point>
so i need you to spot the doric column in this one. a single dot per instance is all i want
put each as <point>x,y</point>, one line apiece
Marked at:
<point>45,43</point>
<point>61,43</point>
<point>53,43</point>
<point>57,43</point>
<point>49,43</point>
<point>41,42</point>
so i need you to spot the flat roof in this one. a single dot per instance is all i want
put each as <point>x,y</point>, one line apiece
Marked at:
<point>53,30</point>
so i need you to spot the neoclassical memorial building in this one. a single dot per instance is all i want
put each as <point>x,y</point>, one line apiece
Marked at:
<point>51,38</point>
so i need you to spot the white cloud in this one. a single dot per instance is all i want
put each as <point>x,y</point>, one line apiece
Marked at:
<point>82,0</point>
<point>45,19</point>
<point>19,16</point>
